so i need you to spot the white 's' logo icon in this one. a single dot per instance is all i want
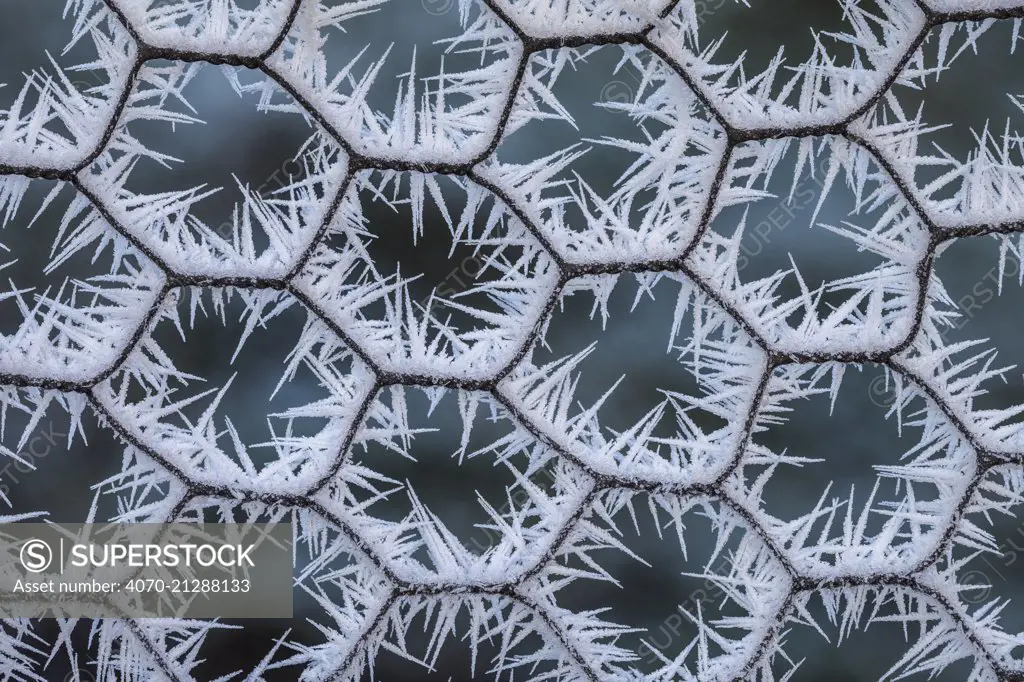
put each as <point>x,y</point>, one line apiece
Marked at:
<point>36,556</point>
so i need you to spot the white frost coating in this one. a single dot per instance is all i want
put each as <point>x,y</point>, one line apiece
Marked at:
<point>752,582</point>
<point>867,309</point>
<point>842,72</point>
<point>286,216</point>
<point>704,345</point>
<point>464,329</point>
<point>544,492</point>
<point>54,119</point>
<point>433,244</point>
<point>207,447</point>
<point>971,5</point>
<point>69,328</point>
<point>675,151</point>
<point>978,541</point>
<point>553,18</point>
<point>449,114</point>
<point>208,26</point>
<point>890,527</point>
<point>986,185</point>
<point>964,371</point>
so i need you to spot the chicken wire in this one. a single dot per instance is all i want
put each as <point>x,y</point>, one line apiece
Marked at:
<point>540,236</point>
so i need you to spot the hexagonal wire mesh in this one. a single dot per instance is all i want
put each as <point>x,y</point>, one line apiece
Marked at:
<point>580,339</point>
